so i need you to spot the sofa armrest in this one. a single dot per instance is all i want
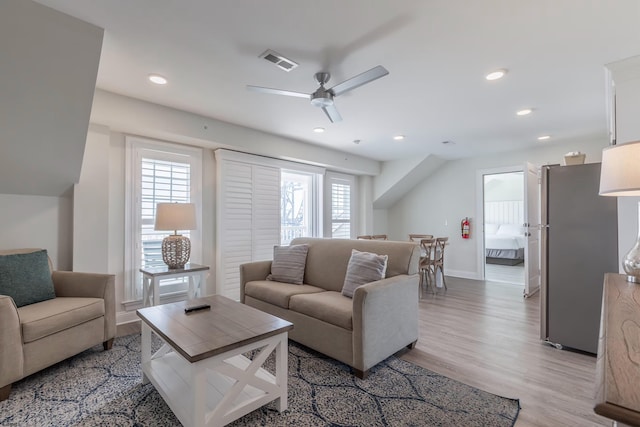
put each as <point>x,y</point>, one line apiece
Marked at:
<point>253,271</point>
<point>90,285</point>
<point>11,355</point>
<point>385,318</point>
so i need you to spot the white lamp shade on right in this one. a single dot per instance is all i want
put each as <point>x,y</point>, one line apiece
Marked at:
<point>620,171</point>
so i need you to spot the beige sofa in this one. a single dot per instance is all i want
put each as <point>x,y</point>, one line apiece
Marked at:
<point>380,319</point>
<point>36,336</point>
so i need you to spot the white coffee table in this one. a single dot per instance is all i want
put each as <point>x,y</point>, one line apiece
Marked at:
<point>200,370</point>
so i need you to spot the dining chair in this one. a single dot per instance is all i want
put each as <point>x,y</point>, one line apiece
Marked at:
<point>418,237</point>
<point>364,237</point>
<point>379,237</point>
<point>438,258</point>
<point>427,250</point>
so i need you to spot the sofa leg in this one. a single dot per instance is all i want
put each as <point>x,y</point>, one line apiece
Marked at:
<point>361,374</point>
<point>107,344</point>
<point>412,345</point>
<point>4,392</point>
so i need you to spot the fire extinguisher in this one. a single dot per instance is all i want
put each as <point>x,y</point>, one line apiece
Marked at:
<point>465,228</point>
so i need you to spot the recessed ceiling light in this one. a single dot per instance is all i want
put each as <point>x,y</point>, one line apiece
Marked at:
<point>524,112</point>
<point>398,137</point>
<point>318,130</point>
<point>157,79</point>
<point>543,137</point>
<point>495,75</point>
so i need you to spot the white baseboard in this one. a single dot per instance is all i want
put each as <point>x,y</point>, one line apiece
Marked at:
<point>123,317</point>
<point>533,292</point>
<point>473,275</point>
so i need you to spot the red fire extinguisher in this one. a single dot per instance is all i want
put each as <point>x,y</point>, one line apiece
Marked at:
<point>465,228</point>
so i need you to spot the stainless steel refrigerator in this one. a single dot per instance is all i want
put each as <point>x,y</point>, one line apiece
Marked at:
<point>579,245</point>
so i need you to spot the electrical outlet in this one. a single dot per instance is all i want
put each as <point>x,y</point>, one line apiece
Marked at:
<point>446,222</point>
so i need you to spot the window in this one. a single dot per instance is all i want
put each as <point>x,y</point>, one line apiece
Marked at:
<point>299,205</point>
<point>340,199</point>
<point>157,172</point>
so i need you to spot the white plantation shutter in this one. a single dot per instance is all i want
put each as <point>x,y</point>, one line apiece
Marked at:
<point>266,211</point>
<point>161,181</point>
<point>340,197</point>
<point>248,218</point>
<point>157,172</point>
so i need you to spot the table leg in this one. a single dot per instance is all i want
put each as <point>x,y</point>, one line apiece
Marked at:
<point>145,349</point>
<point>198,375</point>
<point>156,291</point>
<point>282,370</point>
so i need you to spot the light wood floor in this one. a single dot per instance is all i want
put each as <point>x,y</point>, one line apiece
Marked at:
<point>485,334</point>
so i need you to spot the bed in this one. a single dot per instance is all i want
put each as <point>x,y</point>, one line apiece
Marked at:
<point>504,244</point>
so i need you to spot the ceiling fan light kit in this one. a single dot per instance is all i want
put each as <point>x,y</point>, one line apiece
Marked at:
<point>323,98</point>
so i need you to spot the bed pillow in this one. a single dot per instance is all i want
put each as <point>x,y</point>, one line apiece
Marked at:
<point>288,264</point>
<point>26,277</point>
<point>491,228</point>
<point>363,268</point>
<point>510,230</point>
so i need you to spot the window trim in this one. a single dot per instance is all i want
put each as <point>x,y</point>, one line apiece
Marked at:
<point>135,150</point>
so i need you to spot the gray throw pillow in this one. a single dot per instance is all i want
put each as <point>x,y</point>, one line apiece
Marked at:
<point>364,267</point>
<point>26,277</point>
<point>288,264</point>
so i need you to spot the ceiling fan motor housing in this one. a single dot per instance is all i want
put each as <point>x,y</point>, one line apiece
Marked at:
<point>322,98</point>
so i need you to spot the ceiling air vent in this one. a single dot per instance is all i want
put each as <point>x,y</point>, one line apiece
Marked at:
<point>279,60</point>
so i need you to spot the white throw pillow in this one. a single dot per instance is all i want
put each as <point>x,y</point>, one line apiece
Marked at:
<point>363,268</point>
<point>288,264</point>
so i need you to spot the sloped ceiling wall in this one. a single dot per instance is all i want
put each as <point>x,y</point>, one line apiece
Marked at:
<point>48,68</point>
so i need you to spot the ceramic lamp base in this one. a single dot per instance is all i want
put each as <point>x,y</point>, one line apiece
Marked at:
<point>176,250</point>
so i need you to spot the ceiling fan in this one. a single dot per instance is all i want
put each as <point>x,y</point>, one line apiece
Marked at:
<point>322,97</point>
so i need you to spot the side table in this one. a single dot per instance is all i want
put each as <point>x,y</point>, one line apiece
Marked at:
<point>152,276</point>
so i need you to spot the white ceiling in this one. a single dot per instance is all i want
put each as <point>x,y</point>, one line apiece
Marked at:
<point>437,53</point>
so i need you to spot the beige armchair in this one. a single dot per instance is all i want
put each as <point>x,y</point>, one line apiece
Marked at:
<point>35,336</point>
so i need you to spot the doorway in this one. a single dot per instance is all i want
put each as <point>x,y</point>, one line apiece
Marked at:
<point>504,235</point>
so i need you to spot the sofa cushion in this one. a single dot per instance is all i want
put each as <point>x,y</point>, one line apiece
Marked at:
<point>277,293</point>
<point>48,317</point>
<point>26,277</point>
<point>363,268</point>
<point>288,264</point>
<point>331,307</point>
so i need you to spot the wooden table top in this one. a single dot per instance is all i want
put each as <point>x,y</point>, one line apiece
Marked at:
<point>205,333</point>
<point>618,363</point>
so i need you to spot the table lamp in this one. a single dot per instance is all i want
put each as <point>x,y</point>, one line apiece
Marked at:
<point>620,176</point>
<point>176,249</point>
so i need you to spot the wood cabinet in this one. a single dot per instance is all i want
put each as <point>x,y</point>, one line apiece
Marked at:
<point>618,363</point>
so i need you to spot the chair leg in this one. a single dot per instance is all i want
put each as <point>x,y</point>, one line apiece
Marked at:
<point>4,392</point>
<point>444,282</point>
<point>107,344</point>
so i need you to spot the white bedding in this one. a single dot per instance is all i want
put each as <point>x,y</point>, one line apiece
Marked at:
<point>504,236</point>
<point>504,242</point>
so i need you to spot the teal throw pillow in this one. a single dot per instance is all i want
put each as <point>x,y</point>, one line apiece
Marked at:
<point>26,277</point>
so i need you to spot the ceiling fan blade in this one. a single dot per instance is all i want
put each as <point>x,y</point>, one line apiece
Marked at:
<point>278,91</point>
<point>359,80</point>
<point>332,112</point>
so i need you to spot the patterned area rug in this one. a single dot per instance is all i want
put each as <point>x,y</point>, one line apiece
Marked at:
<point>98,388</point>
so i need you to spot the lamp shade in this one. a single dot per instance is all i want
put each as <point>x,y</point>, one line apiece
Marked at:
<point>175,216</point>
<point>620,170</point>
